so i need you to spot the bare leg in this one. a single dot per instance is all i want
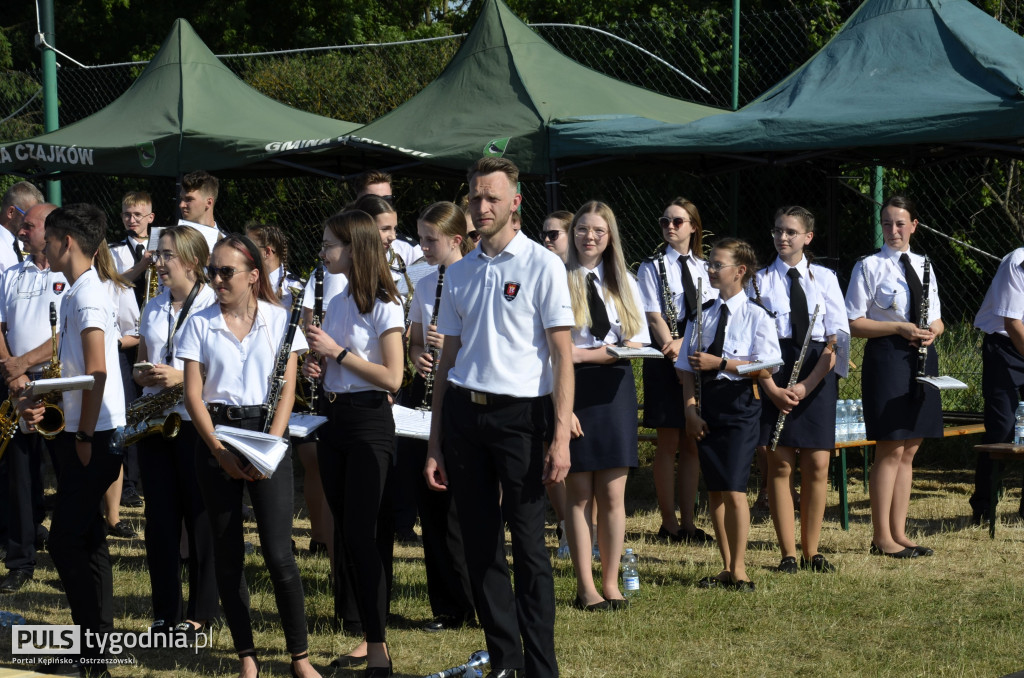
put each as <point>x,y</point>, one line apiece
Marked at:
<point>716,506</point>
<point>888,456</point>
<point>579,491</point>
<point>610,492</point>
<point>901,494</point>
<point>813,491</point>
<point>737,527</point>
<point>112,499</point>
<point>664,476</point>
<point>556,495</point>
<point>687,480</point>
<point>779,471</point>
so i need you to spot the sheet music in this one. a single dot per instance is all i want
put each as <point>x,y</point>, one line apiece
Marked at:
<point>411,423</point>
<point>943,383</point>
<point>262,450</point>
<point>761,365</point>
<point>301,425</point>
<point>39,387</point>
<point>630,352</point>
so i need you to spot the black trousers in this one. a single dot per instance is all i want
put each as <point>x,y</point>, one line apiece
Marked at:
<point>24,458</point>
<point>78,534</point>
<point>272,502</point>
<point>132,472</point>
<point>168,469</point>
<point>1002,385</point>
<point>355,452</point>
<point>484,446</point>
<point>448,587</point>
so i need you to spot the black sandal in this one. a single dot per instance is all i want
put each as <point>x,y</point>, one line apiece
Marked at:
<point>295,658</point>
<point>250,653</point>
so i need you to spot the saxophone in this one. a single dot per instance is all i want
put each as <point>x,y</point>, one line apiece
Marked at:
<point>434,351</point>
<point>53,416</point>
<point>146,416</point>
<point>8,423</point>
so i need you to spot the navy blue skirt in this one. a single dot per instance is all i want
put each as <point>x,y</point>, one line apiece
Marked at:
<point>663,395</point>
<point>733,416</point>
<point>812,424</point>
<point>896,406</point>
<point>606,406</point>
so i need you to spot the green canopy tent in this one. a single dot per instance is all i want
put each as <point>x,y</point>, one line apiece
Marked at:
<point>185,111</point>
<point>904,81</point>
<point>497,96</point>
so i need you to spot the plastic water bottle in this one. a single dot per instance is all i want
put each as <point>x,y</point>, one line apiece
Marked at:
<point>856,418</point>
<point>1018,427</point>
<point>842,421</point>
<point>630,576</point>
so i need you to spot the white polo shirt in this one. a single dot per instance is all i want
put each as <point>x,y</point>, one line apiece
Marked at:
<point>501,307</point>
<point>237,372</point>
<point>584,338</point>
<point>8,259</point>
<point>25,295</point>
<point>1005,296</point>
<point>158,321</point>
<point>360,334</point>
<point>649,280</point>
<point>749,335</point>
<point>88,305</point>
<point>409,251</point>
<point>878,288</point>
<point>820,286</point>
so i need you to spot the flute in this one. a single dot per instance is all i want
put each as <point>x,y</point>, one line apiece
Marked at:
<point>797,366</point>
<point>434,351</point>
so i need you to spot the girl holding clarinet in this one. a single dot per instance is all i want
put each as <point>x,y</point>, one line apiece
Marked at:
<point>791,288</point>
<point>888,303</point>
<point>735,331</point>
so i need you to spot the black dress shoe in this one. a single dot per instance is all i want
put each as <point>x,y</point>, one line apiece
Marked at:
<point>347,661</point>
<point>744,586</point>
<point>698,537</point>
<point>711,583</point>
<point>579,605</point>
<point>670,537</point>
<point>122,530</point>
<point>788,565</point>
<point>504,673</point>
<point>921,551</point>
<point>130,498</point>
<point>905,553</point>
<point>618,603</point>
<point>378,671</point>
<point>13,582</point>
<point>817,563</point>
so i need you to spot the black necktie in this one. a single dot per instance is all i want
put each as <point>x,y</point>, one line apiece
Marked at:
<point>914,283</point>
<point>797,306</point>
<point>689,291</point>
<point>599,324</point>
<point>718,343</point>
<point>17,251</point>
<point>137,251</point>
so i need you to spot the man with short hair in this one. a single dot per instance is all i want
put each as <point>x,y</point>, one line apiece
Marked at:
<point>198,195</point>
<point>374,183</point>
<point>503,395</point>
<point>379,183</point>
<point>17,201</point>
<point>130,255</point>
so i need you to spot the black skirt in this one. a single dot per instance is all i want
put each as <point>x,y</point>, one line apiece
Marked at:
<point>812,424</point>
<point>663,395</point>
<point>605,404</point>
<point>896,406</point>
<point>733,416</point>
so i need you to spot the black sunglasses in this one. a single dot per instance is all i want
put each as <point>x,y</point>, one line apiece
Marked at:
<point>550,235</point>
<point>473,235</point>
<point>225,272</point>
<point>676,221</point>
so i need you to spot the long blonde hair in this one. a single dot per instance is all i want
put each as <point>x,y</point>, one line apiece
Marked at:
<point>106,269</point>
<point>616,275</point>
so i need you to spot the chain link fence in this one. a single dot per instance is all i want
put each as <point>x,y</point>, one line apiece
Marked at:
<point>973,205</point>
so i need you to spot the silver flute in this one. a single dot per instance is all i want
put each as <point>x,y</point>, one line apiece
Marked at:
<point>797,366</point>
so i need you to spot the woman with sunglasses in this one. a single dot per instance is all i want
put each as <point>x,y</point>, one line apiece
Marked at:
<point>790,288</point>
<point>676,266</point>
<point>606,306</point>
<point>555,235</point>
<point>229,350</point>
<point>362,360</point>
<point>168,467</point>
<point>888,290</point>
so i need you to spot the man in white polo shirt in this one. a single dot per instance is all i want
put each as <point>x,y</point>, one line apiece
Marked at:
<point>503,399</point>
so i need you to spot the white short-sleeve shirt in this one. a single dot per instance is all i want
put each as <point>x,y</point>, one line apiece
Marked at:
<point>584,338</point>
<point>8,258</point>
<point>878,288</point>
<point>88,305</point>
<point>649,280</point>
<point>360,334</point>
<point>500,308</point>
<point>25,296</point>
<point>749,335</point>
<point>237,372</point>
<point>127,308</point>
<point>820,286</point>
<point>1005,296</point>
<point>159,319</point>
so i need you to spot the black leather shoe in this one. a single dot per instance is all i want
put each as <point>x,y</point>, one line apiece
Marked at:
<point>711,583</point>
<point>788,565</point>
<point>504,673</point>
<point>13,582</point>
<point>578,604</point>
<point>347,661</point>
<point>672,538</point>
<point>921,551</point>
<point>618,603</point>
<point>905,553</point>
<point>378,671</point>
<point>130,498</point>
<point>745,586</point>
<point>122,530</point>
<point>698,537</point>
<point>817,563</point>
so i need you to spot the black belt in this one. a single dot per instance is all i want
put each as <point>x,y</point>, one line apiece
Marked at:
<point>361,397</point>
<point>484,398</point>
<point>236,412</point>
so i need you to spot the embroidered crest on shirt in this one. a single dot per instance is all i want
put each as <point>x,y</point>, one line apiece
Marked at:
<point>58,287</point>
<point>511,290</point>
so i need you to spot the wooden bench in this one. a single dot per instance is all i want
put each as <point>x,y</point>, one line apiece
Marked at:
<point>998,453</point>
<point>840,451</point>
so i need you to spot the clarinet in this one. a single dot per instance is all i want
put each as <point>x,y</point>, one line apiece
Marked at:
<point>700,341</point>
<point>671,314</point>
<point>797,366</point>
<point>277,380</point>
<point>434,351</point>
<point>922,317</point>
<point>316,320</point>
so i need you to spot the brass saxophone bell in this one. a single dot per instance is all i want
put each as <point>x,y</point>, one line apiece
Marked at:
<point>52,423</point>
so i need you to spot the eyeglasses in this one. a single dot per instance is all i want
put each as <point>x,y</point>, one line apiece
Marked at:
<point>550,235</point>
<point>789,233</point>
<point>674,221</point>
<point>716,266</point>
<point>325,245</point>
<point>599,234</point>
<point>473,235</point>
<point>134,216</point>
<point>166,255</point>
<point>20,211</point>
<point>225,272</point>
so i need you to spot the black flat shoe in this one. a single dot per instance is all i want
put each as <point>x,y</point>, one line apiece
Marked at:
<point>250,653</point>
<point>347,661</point>
<point>618,603</point>
<point>711,583</point>
<point>698,537</point>
<point>817,563</point>
<point>298,657</point>
<point>921,551</point>
<point>788,565</point>
<point>378,671</point>
<point>13,582</point>
<point>670,537</point>
<point>905,553</point>
<point>743,586</point>
<point>122,530</point>
<point>579,605</point>
<point>188,630</point>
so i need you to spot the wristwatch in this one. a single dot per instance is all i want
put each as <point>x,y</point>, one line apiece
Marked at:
<point>83,437</point>
<point>723,364</point>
